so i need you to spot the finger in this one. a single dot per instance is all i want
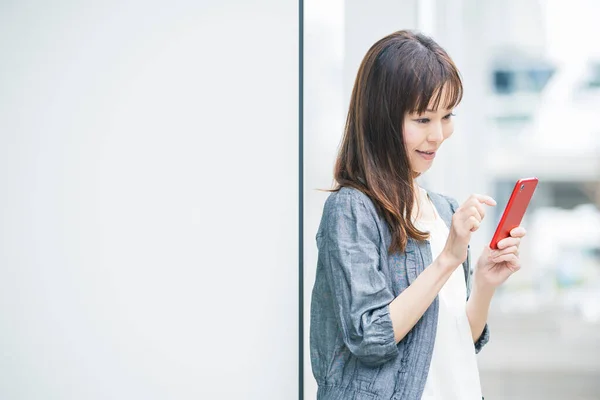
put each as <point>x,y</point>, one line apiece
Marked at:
<point>508,242</point>
<point>477,210</point>
<point>509,258</point>
<point>473,223</point>
<point>509,250</point>
<point>514,267</point>
<point>518,232</point>
<point>484,199</point>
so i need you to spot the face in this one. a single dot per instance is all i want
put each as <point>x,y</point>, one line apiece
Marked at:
<point>424,134</point>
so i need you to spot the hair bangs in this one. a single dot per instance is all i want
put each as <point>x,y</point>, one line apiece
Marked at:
<point>438,84</point>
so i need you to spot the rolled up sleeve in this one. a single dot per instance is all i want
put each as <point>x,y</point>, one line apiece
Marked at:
<point>350,255</point>
<point>483,339</point>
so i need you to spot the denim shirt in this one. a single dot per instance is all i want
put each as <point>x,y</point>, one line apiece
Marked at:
<point>354,355</point>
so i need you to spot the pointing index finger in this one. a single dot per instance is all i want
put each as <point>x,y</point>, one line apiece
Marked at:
<point>485,199</point>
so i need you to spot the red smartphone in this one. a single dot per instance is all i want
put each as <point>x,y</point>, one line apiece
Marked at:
<point>515,209</point>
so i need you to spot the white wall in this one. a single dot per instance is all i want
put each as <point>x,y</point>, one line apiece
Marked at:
<point>324,116</point>
<point>148,200</point>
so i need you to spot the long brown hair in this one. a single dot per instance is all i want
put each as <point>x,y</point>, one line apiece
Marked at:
<point>402,73</point>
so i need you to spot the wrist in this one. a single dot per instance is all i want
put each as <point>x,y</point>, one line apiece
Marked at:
<point>446,262</point>
<point>482,287</point>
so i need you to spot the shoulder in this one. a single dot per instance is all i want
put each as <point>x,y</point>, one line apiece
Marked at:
<point>347,197</point>
<point>348,210</point>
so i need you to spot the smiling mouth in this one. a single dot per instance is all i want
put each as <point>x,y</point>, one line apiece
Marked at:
<point>429,153</point>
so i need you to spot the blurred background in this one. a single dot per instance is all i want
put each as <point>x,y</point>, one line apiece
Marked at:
<point>531,71</point>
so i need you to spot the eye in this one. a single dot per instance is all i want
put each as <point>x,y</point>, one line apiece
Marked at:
<point>449,116</point>
<point>422,120</point>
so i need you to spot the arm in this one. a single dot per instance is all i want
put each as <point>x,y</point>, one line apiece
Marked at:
<point>349,260</point>
<point>480,296</point>
<point>493,268</point>
<point>411,304</point>
<point>478,307</point>
<point>371,320</point>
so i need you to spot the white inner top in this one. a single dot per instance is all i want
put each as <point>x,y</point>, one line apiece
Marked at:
<point>453,373</point>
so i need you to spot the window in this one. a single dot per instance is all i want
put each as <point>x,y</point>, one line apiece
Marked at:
<point>504,82</point>
<point>525,80</point>
<point>593,81</point>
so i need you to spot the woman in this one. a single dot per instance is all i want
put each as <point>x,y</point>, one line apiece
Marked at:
<point>395,312</point>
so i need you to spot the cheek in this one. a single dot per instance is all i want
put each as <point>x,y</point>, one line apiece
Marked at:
<point>411,137</point>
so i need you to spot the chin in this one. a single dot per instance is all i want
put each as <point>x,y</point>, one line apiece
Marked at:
<point>420,171</point>
<point>419,167</point>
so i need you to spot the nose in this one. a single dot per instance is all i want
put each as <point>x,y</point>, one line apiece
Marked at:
<point>436,134</point>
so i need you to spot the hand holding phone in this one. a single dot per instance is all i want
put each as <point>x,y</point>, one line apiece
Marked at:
<point>515,209</point>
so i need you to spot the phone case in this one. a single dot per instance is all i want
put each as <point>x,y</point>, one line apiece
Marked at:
<point>515,209</point>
